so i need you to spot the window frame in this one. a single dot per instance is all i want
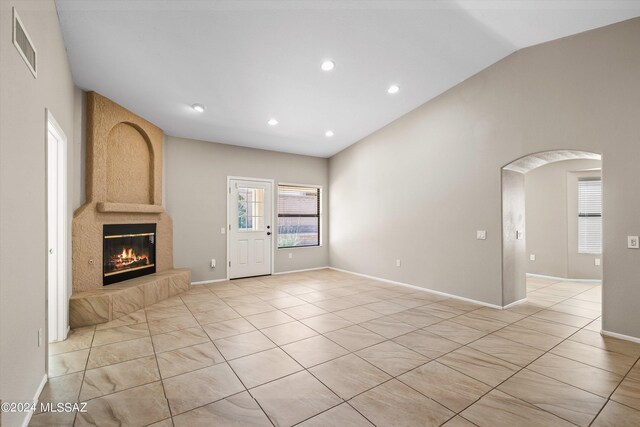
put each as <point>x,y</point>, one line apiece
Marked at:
<point>278,216</point>
<point>588,215</point>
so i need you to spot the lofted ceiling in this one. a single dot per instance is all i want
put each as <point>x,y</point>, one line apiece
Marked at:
<point>248,61</point>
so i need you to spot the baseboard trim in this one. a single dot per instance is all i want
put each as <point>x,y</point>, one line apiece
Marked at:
<point>204,282</point>
<point>431,291</point>
<point>620,336</point>
<point>300,271</point>
<point>563,279</point>
<point>27,419</point>
<point>513,304</point>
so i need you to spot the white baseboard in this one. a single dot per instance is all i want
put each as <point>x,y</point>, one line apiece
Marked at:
<point>204,282</point>
<point>513,304</point>
<point>27,419</point>
<point>431,291</point>
<point>620,336</point>
<point>563,279</point>
<point>301,271</point>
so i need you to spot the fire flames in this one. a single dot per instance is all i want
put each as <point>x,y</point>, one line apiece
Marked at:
<point>128,258</point>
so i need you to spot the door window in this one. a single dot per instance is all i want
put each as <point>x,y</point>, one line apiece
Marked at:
<point>250,209</point>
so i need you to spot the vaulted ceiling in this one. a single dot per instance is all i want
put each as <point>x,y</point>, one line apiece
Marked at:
<point>249,61</point>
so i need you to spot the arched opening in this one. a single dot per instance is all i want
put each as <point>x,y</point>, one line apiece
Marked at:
<point>544,247</point>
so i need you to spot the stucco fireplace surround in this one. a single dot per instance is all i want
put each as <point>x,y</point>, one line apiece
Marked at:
<point>124,189</point>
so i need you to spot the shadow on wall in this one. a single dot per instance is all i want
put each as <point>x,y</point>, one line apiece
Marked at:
<point>514,242</point>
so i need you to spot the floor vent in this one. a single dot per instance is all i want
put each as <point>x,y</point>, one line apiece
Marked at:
<point>24,45</point>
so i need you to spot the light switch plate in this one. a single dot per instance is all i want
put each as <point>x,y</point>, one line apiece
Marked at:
<point>481,235</point>
<point>632,242</point>
<point>532,257</point>
<point>596,261</point>
<point>398,263</point>
<point>223,230</point>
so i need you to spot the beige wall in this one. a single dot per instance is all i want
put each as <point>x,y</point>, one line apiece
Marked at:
<point>552,225</point>
<point>196,183</point>
<point>425,183</point>
<point>23,191</point>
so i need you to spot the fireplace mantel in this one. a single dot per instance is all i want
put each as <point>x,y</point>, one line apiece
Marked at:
<point>129,208</point>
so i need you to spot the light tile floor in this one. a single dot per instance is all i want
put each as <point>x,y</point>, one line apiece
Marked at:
<point>324,348</point>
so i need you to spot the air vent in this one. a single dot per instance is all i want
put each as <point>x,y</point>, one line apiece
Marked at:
<point>23,43</point>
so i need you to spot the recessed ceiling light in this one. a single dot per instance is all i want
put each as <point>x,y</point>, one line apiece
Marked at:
<point>393,89</point>
<point>198,107</point>
<point>272,122</point>
<point>328,133</point>
<point>328,65</point>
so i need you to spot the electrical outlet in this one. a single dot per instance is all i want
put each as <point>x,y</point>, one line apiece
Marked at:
<point>632,242</point>
<point>213,263</point>
<point>290,255</point>
<point>532,257</point>
<point>481,234</point>
<point>398,263</point>
<point>596,261</point>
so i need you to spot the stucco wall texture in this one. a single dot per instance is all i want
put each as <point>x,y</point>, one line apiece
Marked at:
<point>124,172</point>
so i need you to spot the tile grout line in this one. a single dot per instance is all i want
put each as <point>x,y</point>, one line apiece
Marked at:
<point>385,339</point>
<point>461,345</point>
<point>526,366</point>
<point>464,345</point>
<point>155,357</point>
<point>234,373</point>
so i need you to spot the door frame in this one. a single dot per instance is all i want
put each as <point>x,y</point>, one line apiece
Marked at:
<point>59,292</point>
<point>273,217</point>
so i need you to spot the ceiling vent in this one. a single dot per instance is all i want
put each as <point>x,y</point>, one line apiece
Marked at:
<point>23,43</point>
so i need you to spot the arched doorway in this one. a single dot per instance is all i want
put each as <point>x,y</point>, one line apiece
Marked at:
<point>514,247</point>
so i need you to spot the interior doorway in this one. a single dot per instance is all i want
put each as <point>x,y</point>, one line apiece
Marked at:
<point>249,240</point>
<point>578,232</point>
<point>57,303</point>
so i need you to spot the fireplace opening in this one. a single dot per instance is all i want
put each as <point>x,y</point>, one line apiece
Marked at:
<point>129,250</point>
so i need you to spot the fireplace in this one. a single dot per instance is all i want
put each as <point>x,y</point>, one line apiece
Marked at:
<point>129,250</point>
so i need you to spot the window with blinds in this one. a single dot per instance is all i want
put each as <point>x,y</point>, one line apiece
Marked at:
<point>590,216</point>
<point>298,216</point>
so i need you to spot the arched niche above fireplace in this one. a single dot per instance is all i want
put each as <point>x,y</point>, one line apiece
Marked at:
<point>129,166</point>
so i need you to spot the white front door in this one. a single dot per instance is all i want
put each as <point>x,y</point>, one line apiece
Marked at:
<point>250,228</point>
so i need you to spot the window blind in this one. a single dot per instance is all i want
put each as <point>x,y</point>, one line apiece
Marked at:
<point>590,216</point>
<point>298,216</point>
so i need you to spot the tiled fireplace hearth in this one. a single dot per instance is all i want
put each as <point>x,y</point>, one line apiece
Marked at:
<point>122,238</point>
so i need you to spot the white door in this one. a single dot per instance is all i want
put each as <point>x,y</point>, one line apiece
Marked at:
<point>56,232</point>
<point>250,228</point>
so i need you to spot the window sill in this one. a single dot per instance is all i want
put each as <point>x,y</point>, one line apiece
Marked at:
<point>300,247</point>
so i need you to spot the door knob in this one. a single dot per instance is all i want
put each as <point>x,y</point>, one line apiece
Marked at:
<point>51,251</point>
